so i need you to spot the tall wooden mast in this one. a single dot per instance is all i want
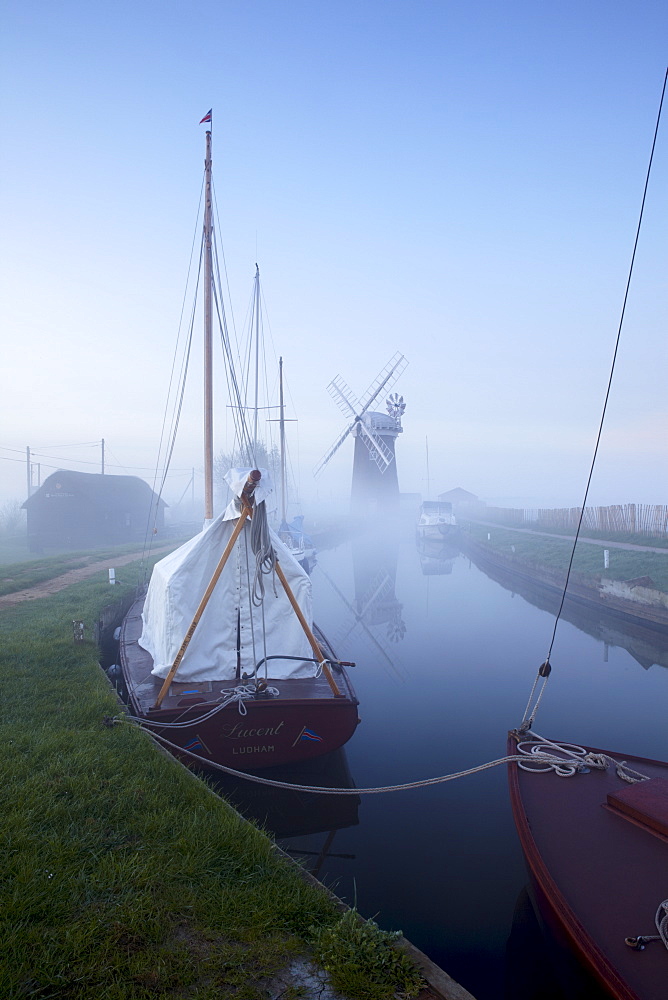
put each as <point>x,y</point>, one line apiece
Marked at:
<point>282,429</point>
<point>256,306</point>
<point>208,339</point>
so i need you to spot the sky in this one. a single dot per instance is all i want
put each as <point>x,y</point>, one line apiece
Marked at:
<point>459,182</point>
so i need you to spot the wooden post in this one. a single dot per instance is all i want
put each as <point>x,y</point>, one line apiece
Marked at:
<point>307,631</point>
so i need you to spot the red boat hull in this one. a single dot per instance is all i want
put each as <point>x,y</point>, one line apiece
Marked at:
<point>305,719</point>
<point>598,875</point>
<point>270,733</point>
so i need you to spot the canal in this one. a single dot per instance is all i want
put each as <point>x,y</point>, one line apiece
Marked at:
<point>446,657</point>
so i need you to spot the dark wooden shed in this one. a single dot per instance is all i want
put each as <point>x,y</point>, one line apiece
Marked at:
<point>73,510</point>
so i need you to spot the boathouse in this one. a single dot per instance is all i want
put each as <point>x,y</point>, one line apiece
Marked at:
<point>458,495</point>
<point>73,510</point>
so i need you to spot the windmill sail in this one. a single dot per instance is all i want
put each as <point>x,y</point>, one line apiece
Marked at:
<point>378,450</point>
<point>385,380</point>
<point>363,428</point>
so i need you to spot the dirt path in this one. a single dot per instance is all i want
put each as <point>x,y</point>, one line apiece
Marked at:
<point>48,587</point>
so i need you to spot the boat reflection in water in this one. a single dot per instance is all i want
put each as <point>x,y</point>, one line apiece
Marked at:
<point>286,813</point>
<point>538,965</point>
<point>437,555</point>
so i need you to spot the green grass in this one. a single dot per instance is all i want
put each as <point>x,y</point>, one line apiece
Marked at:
<point>625,564</point>
<point>360,958</point>
<point>31,572</point>
<point>123,877</point>
<point>635,538</point>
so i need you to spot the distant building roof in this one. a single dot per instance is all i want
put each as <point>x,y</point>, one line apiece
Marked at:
<point>110,492</point>
<point>458,495</point>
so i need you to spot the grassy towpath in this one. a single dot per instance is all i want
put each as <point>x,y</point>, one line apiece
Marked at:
<point>123,876</point>
<point>585,539</point>
<point>627,560</point>
<point>28,580</point>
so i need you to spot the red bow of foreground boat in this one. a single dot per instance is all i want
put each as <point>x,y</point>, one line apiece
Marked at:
<point>596,848</point>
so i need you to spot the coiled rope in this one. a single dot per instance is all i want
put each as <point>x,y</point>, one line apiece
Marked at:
<point>263,550</point>
<point>571,759</point>
<point>661,922</point>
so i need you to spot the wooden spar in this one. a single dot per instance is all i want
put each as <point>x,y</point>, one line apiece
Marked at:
<point>257,356</point>
<point>307,631</point>
<point>208,349</point>
<point>282,427</point>
<point>281,423</point>
<point>246,511</point>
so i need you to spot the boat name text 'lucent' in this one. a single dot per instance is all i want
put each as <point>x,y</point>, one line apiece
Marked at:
<point>236,733</point>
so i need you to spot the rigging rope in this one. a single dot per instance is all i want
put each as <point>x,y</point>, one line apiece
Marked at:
<point>544,669</point>
<point>234,390</point>
<point>149,534</point>
<point>263,550</point>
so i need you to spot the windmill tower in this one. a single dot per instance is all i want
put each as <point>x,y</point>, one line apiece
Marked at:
<point>375,486</point>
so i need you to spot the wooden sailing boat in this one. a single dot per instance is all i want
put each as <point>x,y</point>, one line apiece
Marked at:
<point>596,847</point>
<point>221,659</point>
<point>435,520</point>
<point>595,837</point>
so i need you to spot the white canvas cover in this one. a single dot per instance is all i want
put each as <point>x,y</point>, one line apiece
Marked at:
<point>178,583</point>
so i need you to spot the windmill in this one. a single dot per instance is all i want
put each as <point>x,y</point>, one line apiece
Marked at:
<point>375,482</point>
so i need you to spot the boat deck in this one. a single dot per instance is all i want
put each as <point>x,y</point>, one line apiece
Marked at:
<point>143,687</point>
<point>597,851</point>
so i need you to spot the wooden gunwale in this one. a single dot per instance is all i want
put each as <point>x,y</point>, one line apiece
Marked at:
<point>550,894</point>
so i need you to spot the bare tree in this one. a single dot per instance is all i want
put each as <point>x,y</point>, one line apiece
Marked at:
<point>265,458</point>
<point>12,518</point>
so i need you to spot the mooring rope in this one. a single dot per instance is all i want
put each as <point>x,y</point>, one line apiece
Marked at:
<point>577,759</point>
<point>238,694</point>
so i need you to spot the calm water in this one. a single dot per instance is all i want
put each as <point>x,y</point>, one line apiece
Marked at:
<point>446,658</point>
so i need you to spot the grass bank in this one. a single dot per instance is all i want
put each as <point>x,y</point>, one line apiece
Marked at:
<point>625,564</point>
<point>15,576</point>
<point>123,877</point>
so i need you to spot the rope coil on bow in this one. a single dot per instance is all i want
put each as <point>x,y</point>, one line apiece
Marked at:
<point>569,759</point>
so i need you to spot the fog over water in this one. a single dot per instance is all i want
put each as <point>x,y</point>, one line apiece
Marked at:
<point>445,659</point>
<point>461,184</point>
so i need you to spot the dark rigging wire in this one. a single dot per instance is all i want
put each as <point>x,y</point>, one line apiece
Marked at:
<point>545,668</point>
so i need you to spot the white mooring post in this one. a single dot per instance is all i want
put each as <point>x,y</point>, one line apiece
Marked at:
<point>112,577</point>
<point>606,558</point>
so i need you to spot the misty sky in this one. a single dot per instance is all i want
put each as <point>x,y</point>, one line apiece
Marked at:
<point>460,182</point>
